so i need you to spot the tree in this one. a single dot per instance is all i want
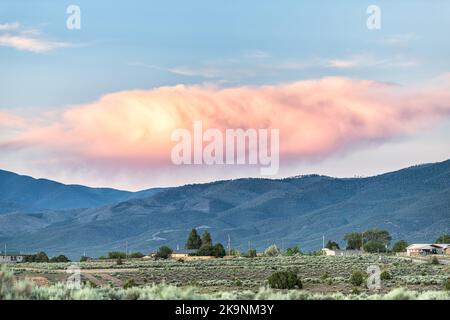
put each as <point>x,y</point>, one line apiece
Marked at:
<point>332,245</point>
<point>381,236</point>
<point>218,250</point>
<point>284,280</point>
<point>205,250</point>
<point>400,246</point>
<point>117,255</point>
<point>41,257</point>
<point>163,252</point>
<point>354,240</point>
<point>136,255</point>
<point>444,238</point>
<point>272,251</point>
<point>206,238</point>
<point>292,251</point>
<point>374,246</point>
<point>193,241</point>
<point>60,258</point>
<point>251,253</point>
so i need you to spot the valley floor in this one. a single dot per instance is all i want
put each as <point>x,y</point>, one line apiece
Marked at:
<point>322,278</point>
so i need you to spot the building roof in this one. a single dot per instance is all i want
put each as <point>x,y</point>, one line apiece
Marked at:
<point>189,251</point>
<point>427,246</point>
<point>10,253</point>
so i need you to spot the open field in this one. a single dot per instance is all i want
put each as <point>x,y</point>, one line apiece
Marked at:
<point>321,276</point>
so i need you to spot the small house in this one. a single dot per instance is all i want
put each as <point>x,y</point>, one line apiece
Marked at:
<point>11,257</point>
<point>181,254</point>
<point>427,249</point>
<point>337,252</point>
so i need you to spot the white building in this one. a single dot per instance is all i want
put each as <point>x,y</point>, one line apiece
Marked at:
<point>329,252</point>
<point>427,249</point>
<point>11,257</point>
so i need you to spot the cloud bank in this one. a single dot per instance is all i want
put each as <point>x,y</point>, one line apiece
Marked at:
<point>131,130</point>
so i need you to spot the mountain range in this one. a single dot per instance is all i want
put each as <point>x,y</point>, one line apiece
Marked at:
<point>37,214</point>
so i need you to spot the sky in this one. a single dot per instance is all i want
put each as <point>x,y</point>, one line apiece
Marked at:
<point>97,105</point>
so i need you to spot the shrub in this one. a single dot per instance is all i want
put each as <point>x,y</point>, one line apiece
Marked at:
<point>129,284</point>
<point>434,260</point>
<point>163,252</point>
<point>447,285</point>
<point>136,255</point>
<point>272,251</point>
<point>116,255</point>
<point>284,280</point>
<point>119,261</point>
<point>357,278</point>
<point>385,275</point>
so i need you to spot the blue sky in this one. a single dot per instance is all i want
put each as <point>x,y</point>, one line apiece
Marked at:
<point>132,44</point>
<point>128,45</point>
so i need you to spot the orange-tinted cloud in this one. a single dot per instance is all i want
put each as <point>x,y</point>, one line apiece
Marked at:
<point>316,118</point>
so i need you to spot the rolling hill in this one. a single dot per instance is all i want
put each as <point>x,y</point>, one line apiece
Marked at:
<point>413,204</point>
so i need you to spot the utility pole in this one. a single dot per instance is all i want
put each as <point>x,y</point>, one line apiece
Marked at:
<point>126,249</point>
<point>229,245</point>
<point>362,241</point>
<point>323,241</point>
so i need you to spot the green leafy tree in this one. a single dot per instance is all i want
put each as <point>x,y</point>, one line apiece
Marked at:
<point>117,255</point>
<point>163,252</point>
<point>354,240</point>
<point>374,246</point>
<point>284,280</point>
<point>193,241</point>
<point>218,251</point>
<point>205,250</point>
<point>206,238</point>
<point>136,255</point>
<point>400,246</point>
<point>60,258</point>
<point>377,235</point>
<point>444,238</point>
<point>293,251</point>
<point>332,245</point>
<point>41,257</point>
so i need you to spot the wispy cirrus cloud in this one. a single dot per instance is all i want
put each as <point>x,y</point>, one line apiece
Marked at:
<point>260,63</point>
<point>369,61</point>
<point>14,35</point>
<point>399,39</point>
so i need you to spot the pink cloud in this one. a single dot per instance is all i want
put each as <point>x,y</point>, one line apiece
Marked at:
<point>316,118</point>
